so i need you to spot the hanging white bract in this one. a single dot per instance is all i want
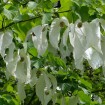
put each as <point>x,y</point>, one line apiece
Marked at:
<point>39,38</point>
<point>22,72</point>
<point>5,41</point>
<point>11,65</point>
<point>65,47</point>
<point>44,84</point>
<point>78,41</point>
<point>94,58</point>
<point>93,35</point>
<point>83,36</point>
<point>54,33</point>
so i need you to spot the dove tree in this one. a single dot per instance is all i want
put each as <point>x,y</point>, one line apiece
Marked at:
<point>52,55</point>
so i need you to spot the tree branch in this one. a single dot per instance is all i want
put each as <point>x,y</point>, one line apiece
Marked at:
<point>58,11</point>
<point>9,25</point>
<point>12,23</point>
<point>64,11</point>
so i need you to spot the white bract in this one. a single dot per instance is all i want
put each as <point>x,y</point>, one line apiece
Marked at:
<point>78,41</point>
<point>12,65</point>
<point>54,33</point>
<point>65,47</point>
<point>21,91</point>
<point>5,41</point>
<point>23,68</point>
<point>44,84</point>
<point>94,58</point>
<point>39,38</point>
<point>10,55</point>
<point>82,37</point>
<point>93,50</point>
<point>33,77</point>
<point>93,35</point>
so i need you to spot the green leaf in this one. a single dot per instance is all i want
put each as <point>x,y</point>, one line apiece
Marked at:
<point>46,18</point>
<point>65,88</point>
<point>32,51</point>
<point>84,97</point>
<point>53,1</point>
<point>47,5</point>
<point>73,100</point>
<point>65,5</point>
<point>32,5</point>
<point>10,88</point>
<point>8,14</point>
<point>85,83</point>
<point>84,13</point>
<point>3,101</point>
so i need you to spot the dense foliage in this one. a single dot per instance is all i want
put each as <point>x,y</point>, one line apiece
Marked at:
<point>52,53</point>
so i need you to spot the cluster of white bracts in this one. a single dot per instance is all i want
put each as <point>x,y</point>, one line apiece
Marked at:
<point>18,65</point>
<point>85,41</point>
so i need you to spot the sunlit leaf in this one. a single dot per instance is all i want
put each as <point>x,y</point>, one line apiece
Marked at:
<point>10,88</point>
<point>84,97</point>
<point>86,83</point>
<point>46,18</point>
<point>32,5</point>
<point>7,13</point>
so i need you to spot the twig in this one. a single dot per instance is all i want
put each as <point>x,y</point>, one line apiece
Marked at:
<point>9,25</point>
<point>64,11</point>
<point>58,11</point>
<point>3,23</point>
